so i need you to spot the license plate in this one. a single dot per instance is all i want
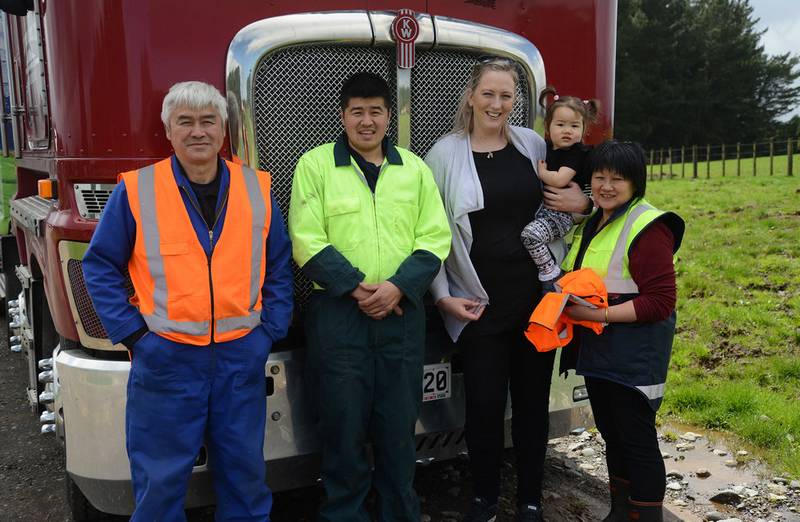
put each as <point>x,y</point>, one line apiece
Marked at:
<point>436,382</point>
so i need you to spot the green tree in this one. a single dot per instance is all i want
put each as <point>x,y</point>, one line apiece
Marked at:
<point>693,72</point>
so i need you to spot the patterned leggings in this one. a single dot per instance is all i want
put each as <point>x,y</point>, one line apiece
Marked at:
<point>548,226</point>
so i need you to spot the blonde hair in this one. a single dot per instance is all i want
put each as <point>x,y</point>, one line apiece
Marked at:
<point>462,122</point>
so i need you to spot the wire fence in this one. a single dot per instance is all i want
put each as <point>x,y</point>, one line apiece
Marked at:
<point>758,158</point>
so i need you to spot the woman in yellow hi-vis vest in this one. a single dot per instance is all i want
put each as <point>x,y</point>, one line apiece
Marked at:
<point>630,244</point>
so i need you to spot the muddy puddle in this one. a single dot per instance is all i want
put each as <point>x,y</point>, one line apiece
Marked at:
<point>710,464</point>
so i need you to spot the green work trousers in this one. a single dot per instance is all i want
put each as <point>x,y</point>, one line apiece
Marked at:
<point>366,380</point>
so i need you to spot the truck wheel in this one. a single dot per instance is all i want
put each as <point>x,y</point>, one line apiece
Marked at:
<point>79,506</point>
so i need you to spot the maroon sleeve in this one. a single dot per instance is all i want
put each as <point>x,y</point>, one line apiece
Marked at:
<point>654,273</point>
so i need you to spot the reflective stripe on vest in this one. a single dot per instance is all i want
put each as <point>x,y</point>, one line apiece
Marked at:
<point>615,280</point>
<point>614,268</point>
<point>170,270</point>
<point>652,392</point>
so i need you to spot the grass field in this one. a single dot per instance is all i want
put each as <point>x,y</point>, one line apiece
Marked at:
<point>8,185</point>
<point>736,361</point>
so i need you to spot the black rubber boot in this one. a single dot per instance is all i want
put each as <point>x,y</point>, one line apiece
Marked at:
<point>620,490</point>
<point>645,511</point>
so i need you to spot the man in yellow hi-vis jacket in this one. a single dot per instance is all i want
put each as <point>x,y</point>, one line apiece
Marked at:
<point>368,228</point>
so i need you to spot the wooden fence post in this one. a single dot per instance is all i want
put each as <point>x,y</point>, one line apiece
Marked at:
<point>694,161</point>
<point>683,160</point>
<point>754,158</point>
<point>771,154</point>
<point>738,159</point>
<point>660,163</point>
<point>789,159</point>
<point>723,160</point>
<point>669,159</point>
<point>708,160</point>
<point>652,158</point>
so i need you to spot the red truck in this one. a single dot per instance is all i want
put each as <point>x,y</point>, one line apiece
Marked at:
<point>85,79</point>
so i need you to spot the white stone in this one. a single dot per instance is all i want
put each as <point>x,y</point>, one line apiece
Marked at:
<point>675,486</point>
<point>680,503</point>
<point>575,446</point>
<point>742,453</point>
<point>587,467</point>
<point>778,489</point>
<point>585,436</point>
<point>665,455</point>
<point>690,436</point>
<point>588,452</point>
<point>731,463</point>
<point>720,453</point>
<point>684,446</point>
<point>702,473</point>
<point>776,498</point>
<point>750,492</point>
<point>739,490</point>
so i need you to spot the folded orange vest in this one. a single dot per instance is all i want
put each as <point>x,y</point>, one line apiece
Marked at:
<point>549,327</point>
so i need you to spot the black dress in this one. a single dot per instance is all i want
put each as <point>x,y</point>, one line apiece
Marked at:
<point>496,357</point>
<point>511,196</point>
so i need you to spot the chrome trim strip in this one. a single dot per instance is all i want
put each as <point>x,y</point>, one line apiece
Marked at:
<point>259,39</point>
<point>404,108</point>
<point>381,28</point>
<point>452,33</point>
<point>6,59</point>
<point>13,92</point>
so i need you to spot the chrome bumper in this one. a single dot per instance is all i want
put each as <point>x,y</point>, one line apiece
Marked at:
<point>90,402</point>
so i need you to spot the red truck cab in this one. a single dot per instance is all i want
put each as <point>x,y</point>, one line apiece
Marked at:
<point>85,82</point>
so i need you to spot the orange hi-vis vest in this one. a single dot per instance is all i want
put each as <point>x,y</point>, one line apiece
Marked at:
<point>549,327</point>
<point>183,294</point>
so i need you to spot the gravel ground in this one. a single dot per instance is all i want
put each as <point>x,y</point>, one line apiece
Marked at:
<point>32,477</point>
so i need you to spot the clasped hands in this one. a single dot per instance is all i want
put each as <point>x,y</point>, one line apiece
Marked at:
<point>378,300</point>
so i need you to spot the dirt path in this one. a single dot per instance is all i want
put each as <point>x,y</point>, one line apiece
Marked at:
<point>31,464</point>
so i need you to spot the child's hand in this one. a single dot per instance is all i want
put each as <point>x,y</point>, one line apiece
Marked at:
<point>542,166</point>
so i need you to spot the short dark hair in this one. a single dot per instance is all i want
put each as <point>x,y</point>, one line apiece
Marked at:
<point>626,158</point>
<point>364,85</point>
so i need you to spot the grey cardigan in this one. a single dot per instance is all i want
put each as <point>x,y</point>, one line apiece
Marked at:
<point>454,171</point>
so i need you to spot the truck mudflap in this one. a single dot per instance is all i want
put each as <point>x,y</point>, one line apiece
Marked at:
<point>90,406</point>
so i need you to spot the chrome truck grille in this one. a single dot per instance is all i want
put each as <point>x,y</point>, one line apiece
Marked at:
<point>296,109</point>
<point>283,77</point>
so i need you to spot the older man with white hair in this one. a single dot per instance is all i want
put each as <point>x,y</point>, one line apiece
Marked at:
<point>208,256</point>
